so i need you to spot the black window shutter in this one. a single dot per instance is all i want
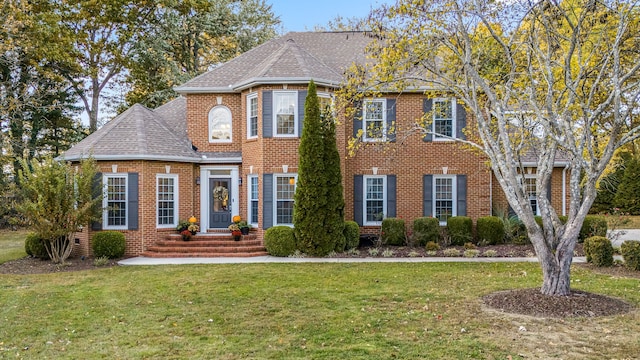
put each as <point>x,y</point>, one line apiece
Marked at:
<point>302,98</point>
<point>267,201</point>
<point>97,191</point>
<point>132,201</point>
<point>461,183</point>
<point>357,118</point>
<point>391,196</point>
<point>461,121</point>
<point>358,193</point>
<point>391,120</point>
<point>427,195</point>
<point>427,106</point>
<point>267,114</point>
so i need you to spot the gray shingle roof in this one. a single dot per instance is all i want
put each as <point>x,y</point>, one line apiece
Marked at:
<point>294,57</point>
<point>144,134</point>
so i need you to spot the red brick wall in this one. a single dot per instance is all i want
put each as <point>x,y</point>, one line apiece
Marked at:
<point>409,160</point>
<point>138,240</point>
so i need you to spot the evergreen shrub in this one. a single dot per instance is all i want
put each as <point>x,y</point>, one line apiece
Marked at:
<point>426,229</point>
<point>109,244</point>
<point>393,232</point>
<point>280,241</point>
<point>460,229</point>
<point>34,246</point>
<point>351,234</point>
<point>599,251</point>
<point>490,230</point>
<point>631,254</point>
<point>593,225</point>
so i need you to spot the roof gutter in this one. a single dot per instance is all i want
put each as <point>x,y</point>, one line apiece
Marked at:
<point>254,82</point>
<point>195,160</point>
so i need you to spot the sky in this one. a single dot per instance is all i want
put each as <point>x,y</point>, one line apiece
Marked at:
<point>301,15</point>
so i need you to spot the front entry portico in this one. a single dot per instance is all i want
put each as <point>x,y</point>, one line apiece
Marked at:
<point>219,196</point>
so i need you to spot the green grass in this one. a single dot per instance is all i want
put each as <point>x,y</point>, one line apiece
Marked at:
<point>299,311</point>
<point>11,245</point>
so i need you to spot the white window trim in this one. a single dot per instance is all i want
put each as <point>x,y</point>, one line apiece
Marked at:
<point>249,98</point>
<point>364,199</point>
<point>454,195</point>
<point>453,120</point>
<point>295,115</point>
<point>105,201</point>
<point>326,95</point>
<point>275,196</point>
<point>531,176</point>
<point>365,138</point>
<point>175,200</point>
<point>223,141</point>
<point>249,198</point>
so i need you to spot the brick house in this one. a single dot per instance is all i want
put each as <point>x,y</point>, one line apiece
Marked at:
<point>228,145</point>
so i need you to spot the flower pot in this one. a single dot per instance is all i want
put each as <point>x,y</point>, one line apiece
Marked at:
<point>237,237</point>
<point>244,231</point>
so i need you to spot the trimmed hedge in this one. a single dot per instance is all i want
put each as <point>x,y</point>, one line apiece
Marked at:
<point>593,226</point>
<point>599,251</point>
<point>34,246</point>
<point>426,229</point>
<point>351,234</point>
<point>393,232</point>
<point>109,244</point>
<point>280,241</point>
<point>490,230</point>
<point>630,251</point>
<point>460,229</point>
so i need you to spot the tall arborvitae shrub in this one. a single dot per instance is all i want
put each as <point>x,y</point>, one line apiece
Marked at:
<point>627,198</point>
<point>310,205</point>
<point>334,221</point>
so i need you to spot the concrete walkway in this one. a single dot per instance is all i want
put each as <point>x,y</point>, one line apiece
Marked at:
<point>619,236</point>
<point>273,259</point>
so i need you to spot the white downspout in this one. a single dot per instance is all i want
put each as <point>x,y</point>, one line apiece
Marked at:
<point>564,190</point>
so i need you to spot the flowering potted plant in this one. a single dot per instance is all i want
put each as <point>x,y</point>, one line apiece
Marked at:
<point>193,227</point>
<point>235,231</point>
<point>186,235</point>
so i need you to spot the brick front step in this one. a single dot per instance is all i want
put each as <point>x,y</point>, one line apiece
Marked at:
<point>206,245</point>
<point>201,255</point>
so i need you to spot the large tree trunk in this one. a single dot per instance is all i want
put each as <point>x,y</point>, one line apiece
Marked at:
<point>556,274</point>
<point>555,258</point>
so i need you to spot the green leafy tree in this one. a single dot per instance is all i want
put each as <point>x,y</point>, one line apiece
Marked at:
<point>57,200</point>
<point>189,38</point>
<point>309,216</point>
<point>627,198</point>
<point>561,78</point>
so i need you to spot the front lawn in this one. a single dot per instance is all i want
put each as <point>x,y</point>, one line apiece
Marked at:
<point>12,245</point>
<point>300,311</point>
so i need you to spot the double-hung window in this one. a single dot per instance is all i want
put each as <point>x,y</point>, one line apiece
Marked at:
<point>167,200</point>
<point>252,116</point>
<point>253,200</point>
<point>285,189</point>
<point>115,201</point>
<point>285,113</point>
<point>531,191</point>
<point>444,115</point>
<point>374,119</point>
<point>375,199</point>
<point>444,202</point>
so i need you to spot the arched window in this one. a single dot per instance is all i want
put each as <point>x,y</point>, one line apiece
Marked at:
<point>220,124</point>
